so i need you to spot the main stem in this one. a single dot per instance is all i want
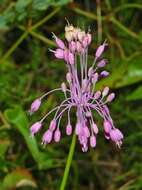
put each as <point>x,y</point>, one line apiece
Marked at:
<point>68,164</point>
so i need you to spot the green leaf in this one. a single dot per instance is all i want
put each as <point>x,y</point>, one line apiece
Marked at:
<point>41,5</point>
<point>136,94</point>
<point>22,4</point>
<point>61,2</point>
<point>3,24</point>
<point>44,4</point>
<point>18,117</point>
<point>3,147</point>
<point>18,178</point>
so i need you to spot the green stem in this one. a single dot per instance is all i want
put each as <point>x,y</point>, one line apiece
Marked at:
<point>68,164</point>
<point>127,6</point>
<point>42,38</point>
<point>8,53</point>
<point>125,29</point>
<point>45,18</point>
<point>108,4</point>
<point>99,21</point>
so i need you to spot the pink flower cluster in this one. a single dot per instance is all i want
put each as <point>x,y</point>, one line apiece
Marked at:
<point>79,91</point>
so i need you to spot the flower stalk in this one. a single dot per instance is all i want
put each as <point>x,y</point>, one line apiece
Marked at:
<point>68,164</point>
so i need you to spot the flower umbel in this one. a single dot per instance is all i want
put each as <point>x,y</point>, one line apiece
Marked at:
<point>79,91</point>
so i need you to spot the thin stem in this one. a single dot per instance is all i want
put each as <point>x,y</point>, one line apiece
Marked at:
<point>108,4</point>
<point>45,18</point>
<point>125,29</point>
<point>14,46</point>
<point>68,164</point>
<point>126,6</point>
<point>99,21</point>
<point>49,92</point>
<point>42,38</point>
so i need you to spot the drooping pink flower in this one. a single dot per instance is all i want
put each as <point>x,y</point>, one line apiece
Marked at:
<point>35,105</point>
<point>69,129</point>
<point>57,135</point>
<point>35,128</point>
<point>47,137</point>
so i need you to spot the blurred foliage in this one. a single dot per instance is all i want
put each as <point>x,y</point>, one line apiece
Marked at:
<point>27,69</point>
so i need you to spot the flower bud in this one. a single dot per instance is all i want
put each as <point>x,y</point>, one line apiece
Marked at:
<point>101,63</point>
<point>66,55</point>
<point>95,128</point>
<point>47,137</point>
<point>88,114</point>
<point>68,77</point>
<point>93,141</point>
<point>107,127</point>
<point>84,148</point>
<point>100,50</point>
<point>81,35</point>
<point>69,129</point>
<point>97,95</point>
<point>110,97</point>
<point>35,128</point>
<point>57,135</point>
<point>69,36</point>
<point>59,53</point>
<point>63,87</point>
<point>75,33</point>
<point>59,42</point>
<point>72,46</point>
<point>86,40</point>
<point>69,28</point>
<point>79,47</point>
<point>78,128</point>
<point>95,78</point>
<point>105,91</point>
<point>71,58</point>
<point>90,72</point>
<point>104,73</point>
<point>52,125</point>
<point>86,131</point>
<point>35,105</point>
<point>116,135</point>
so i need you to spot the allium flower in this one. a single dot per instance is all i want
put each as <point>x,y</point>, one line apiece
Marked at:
<point>79,91</point>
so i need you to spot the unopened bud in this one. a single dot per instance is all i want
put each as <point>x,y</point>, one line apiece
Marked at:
<point>110,97</point>
<point>68,77</point>
<point>81,35</point>
<point>101,63</point>
<point>63,87</point>
<point>95,78</point>
<point>97,95</point>
<point>35,105</point>
<point>57,135</point>
<point>59,42</point>
<point>90,72</point>
<point>93,141</point>
<point>71,58</point>
<point>104,73</point>
<point>105,91</point>
<point>78,47</point>
<point>59,53</point>
<point>69,129</point>
<point>100,50</point>
<point>69,36</point>
<point>72,46</point>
